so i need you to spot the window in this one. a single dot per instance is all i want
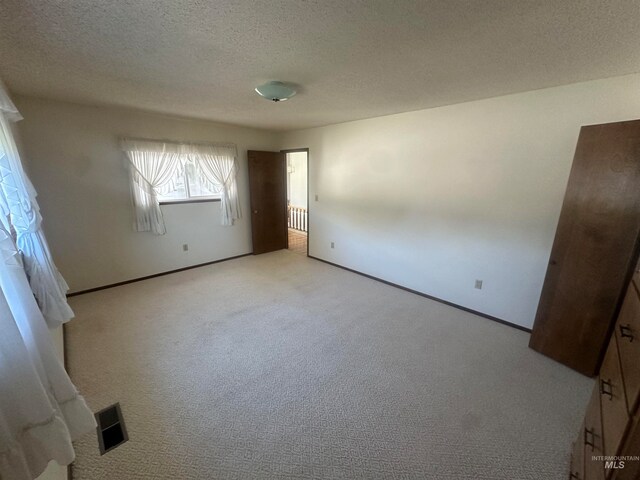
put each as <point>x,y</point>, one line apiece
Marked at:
<point>171,172</point>
<point>189,187</point>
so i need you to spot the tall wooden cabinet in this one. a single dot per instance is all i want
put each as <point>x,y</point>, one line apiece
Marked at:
<point>608,444</point>
<point>595,248</point>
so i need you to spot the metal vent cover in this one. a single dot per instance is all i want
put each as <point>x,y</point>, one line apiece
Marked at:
<point>112,431</point>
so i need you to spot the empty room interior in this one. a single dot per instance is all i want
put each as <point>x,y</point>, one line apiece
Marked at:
<point>319,240</point>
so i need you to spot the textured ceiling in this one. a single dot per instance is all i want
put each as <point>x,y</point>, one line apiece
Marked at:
<point>352,58</point>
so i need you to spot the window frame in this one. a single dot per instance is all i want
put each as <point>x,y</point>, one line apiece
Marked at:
<point>189,198</point>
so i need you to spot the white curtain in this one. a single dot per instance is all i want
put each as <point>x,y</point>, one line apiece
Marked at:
<point>153,167</point>
<point>41,412</point>
<point>218,166</point>
<point>18,202</point>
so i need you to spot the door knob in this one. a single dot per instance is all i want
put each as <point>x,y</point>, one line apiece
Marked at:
<point>255,212</point>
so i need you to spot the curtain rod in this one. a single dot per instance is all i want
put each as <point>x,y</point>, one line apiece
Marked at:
<point>177,142</point>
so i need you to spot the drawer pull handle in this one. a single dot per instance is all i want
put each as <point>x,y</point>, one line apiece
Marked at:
<point>626,332</point>
<point>588,442</point>
<point>606,388</point>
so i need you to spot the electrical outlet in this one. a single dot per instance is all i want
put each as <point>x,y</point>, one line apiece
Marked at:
<point>479,284</point>
<point>316,198</point>
<point>185,247</point>
<point>333,245</point>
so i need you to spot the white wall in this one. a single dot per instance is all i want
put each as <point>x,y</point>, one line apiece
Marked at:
<point>82,183</point>
<point>297,179</point>
<point>435,199</point>
<point>431,200</point>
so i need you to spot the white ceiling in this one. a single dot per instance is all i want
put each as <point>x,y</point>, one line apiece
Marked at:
<point>352,58</point>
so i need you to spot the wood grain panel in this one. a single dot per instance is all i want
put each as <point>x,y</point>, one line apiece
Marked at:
<point>594,249</point>
<point>613,401</point>
<point>628,338</point>
<point>577,457</point>
<point>631,468</point>
<point>636,275</point>
<point>268,191</point>
<point>592,439</point>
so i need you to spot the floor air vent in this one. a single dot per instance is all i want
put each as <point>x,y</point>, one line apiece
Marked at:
<point>111,430</point>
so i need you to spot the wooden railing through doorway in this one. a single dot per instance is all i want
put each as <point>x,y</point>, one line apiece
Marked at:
<point>297,218</point>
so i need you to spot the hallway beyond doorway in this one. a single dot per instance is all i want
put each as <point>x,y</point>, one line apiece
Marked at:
<point>297,241</point>
<point>297,200</point>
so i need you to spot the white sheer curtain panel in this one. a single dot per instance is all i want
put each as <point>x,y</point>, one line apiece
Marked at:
<point>153,167</point>
<point>41,412</point>
<point>218,166</point>
<point>20,205</point>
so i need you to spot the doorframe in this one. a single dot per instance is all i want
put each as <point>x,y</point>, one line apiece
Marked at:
<point>294,150</point>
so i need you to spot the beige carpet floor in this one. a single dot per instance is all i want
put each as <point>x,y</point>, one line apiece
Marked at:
<point>282,367</point>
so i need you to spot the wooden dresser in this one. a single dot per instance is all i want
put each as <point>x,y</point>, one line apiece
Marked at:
<point>612,423</point>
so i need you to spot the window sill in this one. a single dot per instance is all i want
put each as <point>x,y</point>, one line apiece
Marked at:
<point>190,200</point>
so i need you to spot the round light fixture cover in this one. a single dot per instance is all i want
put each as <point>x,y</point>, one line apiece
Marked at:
<point>275,91</point>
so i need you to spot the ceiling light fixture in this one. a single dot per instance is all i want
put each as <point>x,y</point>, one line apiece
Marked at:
<point>275,91</point>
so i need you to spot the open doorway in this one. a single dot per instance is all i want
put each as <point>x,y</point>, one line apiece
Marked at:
<point>297,200</point>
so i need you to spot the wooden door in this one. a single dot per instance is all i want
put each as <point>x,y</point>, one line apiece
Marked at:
<point>268,190</point>
<point>594,247</point>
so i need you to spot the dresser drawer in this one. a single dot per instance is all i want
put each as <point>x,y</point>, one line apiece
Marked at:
<point>577,457</point>
<point>631,468</point>
<point>615,415</point>
<point>592,438</point>
<point>628,338</point>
